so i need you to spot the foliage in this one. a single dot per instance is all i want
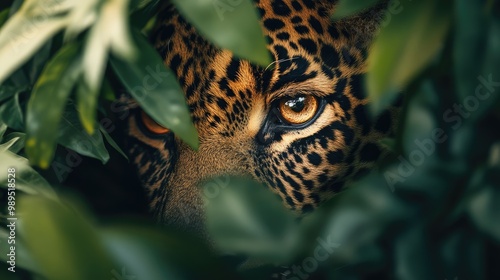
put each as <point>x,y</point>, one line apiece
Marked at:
<point>429,211</point>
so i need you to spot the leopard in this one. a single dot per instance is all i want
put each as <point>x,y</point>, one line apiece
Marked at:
<point>301,126</point>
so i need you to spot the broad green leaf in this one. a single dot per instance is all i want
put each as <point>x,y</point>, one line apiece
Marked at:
<point>232,25</point>
<point>47,102</point>
<point>346,8</point>
<point>72,135</point>
<point>152,253</point>
<point>135,251</point>
<point>112,142</point>
<point>76,250</point>
<point>11,113</point>
<point>471,36</point>
<point>404,48</point>
<point>161,97</point>
<point>20,39</point>
<point>27,179</point>
<point>247,218</point>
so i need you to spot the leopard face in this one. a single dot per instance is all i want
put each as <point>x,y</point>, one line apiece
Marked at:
<point>299,126</point>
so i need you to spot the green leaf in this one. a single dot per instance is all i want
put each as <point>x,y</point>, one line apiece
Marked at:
<point>148,252</point>
<point>346,8</point>
<point>20,38</point>
<point>404,48</point>
<point>76,250</point>
<point>14,142</point>
<point>23,257</point>
<point>81,17</point>
<point>162,97</point>
<point>51,91</point>
<point>11,113</point>
<point>3,128</point>
<point>109,32</point>
<point>247,218</point>
<point>38,62</point>
<point>490,78</point>
<point>7,91</point>
<point>72,135</point>
<point>87,106</point>
<point>112,142</point>
<point>234,25</point>
<point>471,36</point>
<point>4,15</point>
<point>27,179</point>
<point>485,210</point>
<point>143,12</point>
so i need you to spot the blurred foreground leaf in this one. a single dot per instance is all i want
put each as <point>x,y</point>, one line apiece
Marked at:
<point>404,48</point>
<point>156,89</point>
<point>150,253</point>
<point>47,102</point>
<point>76,252</point>
<point>346,8</point>
<point>109,33</point>
<point>485,210</point>
<point>245,217</point>
<point>25,32</point>
<point>232,25</point>
<point>27,179</point>
<point>471,36</point>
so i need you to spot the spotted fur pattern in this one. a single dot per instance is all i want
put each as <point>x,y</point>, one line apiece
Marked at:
<point>232,103</point>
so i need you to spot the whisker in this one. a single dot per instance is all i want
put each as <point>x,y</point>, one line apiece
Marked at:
<point>280,60</point>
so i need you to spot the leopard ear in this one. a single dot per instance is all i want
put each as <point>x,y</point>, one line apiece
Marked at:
<point>363,26</point>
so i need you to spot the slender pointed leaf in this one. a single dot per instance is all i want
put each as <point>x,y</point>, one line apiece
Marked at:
<point>72,135</point>
<point>14,142</point>
<point>112,142</point>
<point>19,40</point>
<point>47,103</point>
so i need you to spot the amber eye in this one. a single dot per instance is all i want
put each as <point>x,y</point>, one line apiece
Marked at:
<point>153,126</point>
<point>298,110</point>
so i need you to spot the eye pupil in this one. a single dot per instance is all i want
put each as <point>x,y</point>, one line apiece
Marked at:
<point>297,104</point>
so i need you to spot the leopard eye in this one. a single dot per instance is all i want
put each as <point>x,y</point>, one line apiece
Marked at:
<point>298,110</point>
<point>152,125</point>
